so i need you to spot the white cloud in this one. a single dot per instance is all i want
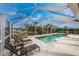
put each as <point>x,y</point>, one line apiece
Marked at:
<point>12,13</point>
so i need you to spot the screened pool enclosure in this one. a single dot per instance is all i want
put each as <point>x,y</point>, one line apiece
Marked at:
<point>27,19</point>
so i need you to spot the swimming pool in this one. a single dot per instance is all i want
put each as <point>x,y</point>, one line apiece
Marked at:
<point>50,38</point>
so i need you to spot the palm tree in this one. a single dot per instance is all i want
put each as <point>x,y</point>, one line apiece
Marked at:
<point>47,28</point>
<point>54,29</point>
<point>35,24</point>
<point>26,29</point>
<point>51,29</point>
<point>65,29</point>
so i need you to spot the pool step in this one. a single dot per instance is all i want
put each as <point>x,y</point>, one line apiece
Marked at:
<point>73,36</point>
<point>69,42</point>
<point>74,39</point>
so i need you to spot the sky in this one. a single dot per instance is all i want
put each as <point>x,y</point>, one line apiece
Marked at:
<point>19,11</point>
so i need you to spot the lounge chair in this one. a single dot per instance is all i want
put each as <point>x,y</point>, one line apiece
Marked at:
<point>19,40</point>
<point>29,50</point>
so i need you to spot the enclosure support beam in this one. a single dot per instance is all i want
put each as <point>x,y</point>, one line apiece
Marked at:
<point>35,29</point>
<point>11,30</point>
<point>75,9</point>
<point>2,34</point>
<point>51,29</point>
<point>42,29</point>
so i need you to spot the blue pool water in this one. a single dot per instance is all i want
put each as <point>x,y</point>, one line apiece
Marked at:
<point>50,38</point>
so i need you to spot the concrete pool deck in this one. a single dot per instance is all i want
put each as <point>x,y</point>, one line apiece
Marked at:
<point>62,47</point>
